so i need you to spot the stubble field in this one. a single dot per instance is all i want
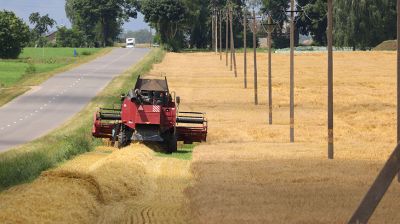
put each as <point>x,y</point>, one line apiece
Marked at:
<point>247,172</point>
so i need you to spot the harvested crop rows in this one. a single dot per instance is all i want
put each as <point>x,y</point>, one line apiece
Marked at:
<point>126,186</point>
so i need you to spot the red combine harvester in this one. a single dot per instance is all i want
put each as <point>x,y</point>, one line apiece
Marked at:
<point>148,113</point>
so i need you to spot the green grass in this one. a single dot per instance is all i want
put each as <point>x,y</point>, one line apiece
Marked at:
<point>47,53</point>
<point>25,163</point>
<point>43,59</point>
<point>184,152</point>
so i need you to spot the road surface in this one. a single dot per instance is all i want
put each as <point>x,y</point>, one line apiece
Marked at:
<point>49,105</point>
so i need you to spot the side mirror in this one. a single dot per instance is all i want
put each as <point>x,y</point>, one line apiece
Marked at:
<point>123,96</point>
<point>178,100</point>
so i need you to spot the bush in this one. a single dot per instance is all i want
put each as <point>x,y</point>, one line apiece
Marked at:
<point>31,69</point>
<point>86,53</point>
<point>14,35</point>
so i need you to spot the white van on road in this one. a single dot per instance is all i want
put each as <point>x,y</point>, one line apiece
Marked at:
<point>130,42</point>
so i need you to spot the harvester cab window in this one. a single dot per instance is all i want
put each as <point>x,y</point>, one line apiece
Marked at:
<point>159,98</point>
<point>146,97</point>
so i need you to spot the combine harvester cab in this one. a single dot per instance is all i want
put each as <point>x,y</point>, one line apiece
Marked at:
<point>148,113</point>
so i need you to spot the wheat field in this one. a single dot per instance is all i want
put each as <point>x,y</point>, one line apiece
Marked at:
<point>249,172</point>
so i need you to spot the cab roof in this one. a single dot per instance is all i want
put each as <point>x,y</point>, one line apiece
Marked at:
<point>151,84</point>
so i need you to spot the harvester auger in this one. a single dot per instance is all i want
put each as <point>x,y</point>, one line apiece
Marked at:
<point>149,113</point>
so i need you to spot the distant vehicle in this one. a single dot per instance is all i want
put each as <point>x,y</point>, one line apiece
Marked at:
<point>130,42</point>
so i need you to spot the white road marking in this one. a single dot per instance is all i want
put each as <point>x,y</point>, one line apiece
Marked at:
<point>36,111</point>
<point>8,125</point>
<point>21,119</point>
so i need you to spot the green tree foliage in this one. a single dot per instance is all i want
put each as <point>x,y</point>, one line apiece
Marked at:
<point>100,20</point>
<point>313,21</point>
<point>14,35</point>
<point>168,18</point>
<point>277,9</point>
<point>70,37</point>
<point>41,27</point>
<point>141,36</point>
<point>364,24</point>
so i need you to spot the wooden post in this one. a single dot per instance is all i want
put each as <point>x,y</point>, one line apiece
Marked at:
<point>292,71</point>
<point>216,32</point>
<point>255,57</point>
<point>212,31</point>
<point>398,76</point>
<point>330,80</point>
<point>226,37</point>
<point>231,38</point>
<point>270,68</point>
<point>220,35</point>
<point>151,38</point>
<point>245,46</point>
<point>233,58</point>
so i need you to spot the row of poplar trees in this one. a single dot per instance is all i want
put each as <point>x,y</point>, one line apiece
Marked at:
<point>360,24</point>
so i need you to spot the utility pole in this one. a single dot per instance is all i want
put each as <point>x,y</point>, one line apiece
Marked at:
<point>151,38</point>
<point>398,77</point>
<point>232,43</point>
<point>270,68</point>
<point>245,46</point>
<point>212,31</point>
<point>255,57</point>
<point>216,31</point>
<point>292,71</point>
<point>226,37</point>
<point>398,71</point>
<point>231,37</point>
<point>330,80</point>
<point>220,35</point>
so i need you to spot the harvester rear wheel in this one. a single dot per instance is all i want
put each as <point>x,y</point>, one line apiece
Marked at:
<point>124,137</point>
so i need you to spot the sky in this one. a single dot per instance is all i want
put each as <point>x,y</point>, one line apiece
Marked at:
<point>55,9</point>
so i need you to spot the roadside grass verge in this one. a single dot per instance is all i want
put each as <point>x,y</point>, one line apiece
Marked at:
<point>25,163</point>
<point>33,67</point>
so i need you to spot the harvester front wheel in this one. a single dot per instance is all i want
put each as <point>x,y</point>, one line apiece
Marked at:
<point>124,137</point>
<point>172,145</point>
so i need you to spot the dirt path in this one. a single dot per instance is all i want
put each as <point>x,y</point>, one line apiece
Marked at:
<point>127,186</point>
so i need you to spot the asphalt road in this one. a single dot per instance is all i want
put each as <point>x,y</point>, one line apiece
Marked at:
<point>49,105</point>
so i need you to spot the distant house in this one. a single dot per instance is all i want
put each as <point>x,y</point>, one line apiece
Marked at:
<point>52,37</point>
<point>263,42</point>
